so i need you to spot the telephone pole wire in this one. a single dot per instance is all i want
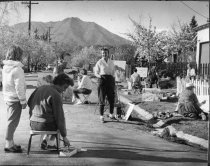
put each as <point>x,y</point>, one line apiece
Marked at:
<point>29,20</point>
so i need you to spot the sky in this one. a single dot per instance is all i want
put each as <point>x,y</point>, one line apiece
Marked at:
<point>114,15</point>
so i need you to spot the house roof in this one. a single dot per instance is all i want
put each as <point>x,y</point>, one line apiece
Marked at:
<point>201,27</point>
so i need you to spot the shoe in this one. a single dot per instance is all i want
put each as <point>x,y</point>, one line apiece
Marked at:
<point>118,117</point>
<point>51,147</point>
<point>17,146</point>
<point>112,117</point>
<point>78,103</point>
<point>102,119</point>
<point>86,102</point>
<point>44,145</point>
<point>13,149</point>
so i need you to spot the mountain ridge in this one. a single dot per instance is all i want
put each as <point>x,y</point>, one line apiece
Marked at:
<point>74,31</point>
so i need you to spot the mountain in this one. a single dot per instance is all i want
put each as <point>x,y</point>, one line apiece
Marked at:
<point>74,31</point>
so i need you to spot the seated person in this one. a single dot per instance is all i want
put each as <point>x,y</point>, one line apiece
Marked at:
<point>136,81</point>
<point>84,86</point>
<point>46,109</point>
<point>188,104</point>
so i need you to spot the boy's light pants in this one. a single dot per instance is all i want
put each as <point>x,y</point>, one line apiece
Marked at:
<point>13,117</point>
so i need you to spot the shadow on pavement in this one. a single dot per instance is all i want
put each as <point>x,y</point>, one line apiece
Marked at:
<point>125,154</point>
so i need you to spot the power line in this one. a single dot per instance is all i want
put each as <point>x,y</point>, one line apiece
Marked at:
<point>193,9</point>
<point>29,21</point>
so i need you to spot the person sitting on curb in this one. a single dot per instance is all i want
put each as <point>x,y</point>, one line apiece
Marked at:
<point>84,86</point>
<point>46,109</point>
<point>188,104</point>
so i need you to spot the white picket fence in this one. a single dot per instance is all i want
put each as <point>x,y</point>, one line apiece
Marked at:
<point>201,86</point>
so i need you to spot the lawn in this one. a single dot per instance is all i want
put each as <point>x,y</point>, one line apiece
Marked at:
<point>197,128</point>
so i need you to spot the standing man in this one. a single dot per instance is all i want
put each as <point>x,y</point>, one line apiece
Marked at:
<point>104,71</point>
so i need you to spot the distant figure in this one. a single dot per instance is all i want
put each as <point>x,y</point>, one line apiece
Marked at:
<point>136,81</point>
<point>46,80</point>
<point>59,68</point>
<point>14,93</point>
<point>46,110</point>
<point>190,72</point>
<point>84,86</point>
<point>188,104</point>
<point>153,77</point>
<point>104,70</point>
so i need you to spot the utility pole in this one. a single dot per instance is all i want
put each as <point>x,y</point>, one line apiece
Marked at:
<point>29,19</point>
<point>49,34</point>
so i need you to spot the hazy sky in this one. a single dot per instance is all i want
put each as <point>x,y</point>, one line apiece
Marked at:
<point>114,15</point>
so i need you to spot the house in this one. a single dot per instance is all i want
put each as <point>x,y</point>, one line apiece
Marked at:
<point>202,53</point>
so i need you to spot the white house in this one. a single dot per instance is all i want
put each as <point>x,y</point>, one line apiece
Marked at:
<point>202,53</point>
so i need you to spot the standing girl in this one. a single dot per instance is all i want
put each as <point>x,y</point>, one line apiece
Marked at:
<point>14,93</point>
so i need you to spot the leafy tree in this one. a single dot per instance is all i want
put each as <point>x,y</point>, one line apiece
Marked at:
<point>151,46</point>
<point>183,41</point>
<point>125,52</point>
<point>193,23</point>
<point>85,57</point>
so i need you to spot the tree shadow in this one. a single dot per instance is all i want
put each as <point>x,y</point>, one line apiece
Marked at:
<point>123,154</point>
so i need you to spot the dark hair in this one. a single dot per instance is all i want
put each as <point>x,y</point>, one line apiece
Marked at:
<point>105,49</point>
<point>135,70</point>
<point>84,71</point>
<point>14,53</point>
<point>62,79</point>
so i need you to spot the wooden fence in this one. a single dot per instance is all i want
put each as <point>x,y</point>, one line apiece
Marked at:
<point>201,86</point>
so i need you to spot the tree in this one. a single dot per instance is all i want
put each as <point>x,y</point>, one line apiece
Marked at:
<point>125,52</point>
<point>193,23</point>
<point>151,46</point>
<point>85,57</point>
<point>183,41</point>
<point>6,8</point>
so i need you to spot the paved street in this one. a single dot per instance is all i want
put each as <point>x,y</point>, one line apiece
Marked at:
<point>111,143</point>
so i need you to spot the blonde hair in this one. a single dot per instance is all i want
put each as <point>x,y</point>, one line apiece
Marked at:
<point>14,53</point>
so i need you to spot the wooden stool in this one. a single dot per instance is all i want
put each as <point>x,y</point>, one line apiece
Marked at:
<point>33,132</point>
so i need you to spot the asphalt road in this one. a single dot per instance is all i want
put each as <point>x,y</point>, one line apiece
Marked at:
<point>111,143</point>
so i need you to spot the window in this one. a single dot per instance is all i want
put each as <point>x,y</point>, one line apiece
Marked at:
<point>204,53</point>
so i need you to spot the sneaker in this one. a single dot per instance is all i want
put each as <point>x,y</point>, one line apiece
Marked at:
<point>102,119</point>
<point>79,102</point>
<point>13,149</point>
<point>112,117</point>
<point>51,147</point>
<point>44,145</point>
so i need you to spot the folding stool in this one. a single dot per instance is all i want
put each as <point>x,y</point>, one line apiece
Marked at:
<point>34,132</point>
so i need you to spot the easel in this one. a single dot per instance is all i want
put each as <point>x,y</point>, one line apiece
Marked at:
<point>130,109</point>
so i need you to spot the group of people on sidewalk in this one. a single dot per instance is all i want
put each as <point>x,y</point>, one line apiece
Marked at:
<point>45,103</point>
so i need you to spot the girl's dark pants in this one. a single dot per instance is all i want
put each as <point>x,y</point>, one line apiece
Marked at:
<point>106,88</point>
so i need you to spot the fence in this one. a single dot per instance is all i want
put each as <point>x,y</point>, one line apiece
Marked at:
<point>201,86</point>
<point>177,68</point>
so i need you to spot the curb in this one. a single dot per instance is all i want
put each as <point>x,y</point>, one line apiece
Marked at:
<point>145,115</point>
